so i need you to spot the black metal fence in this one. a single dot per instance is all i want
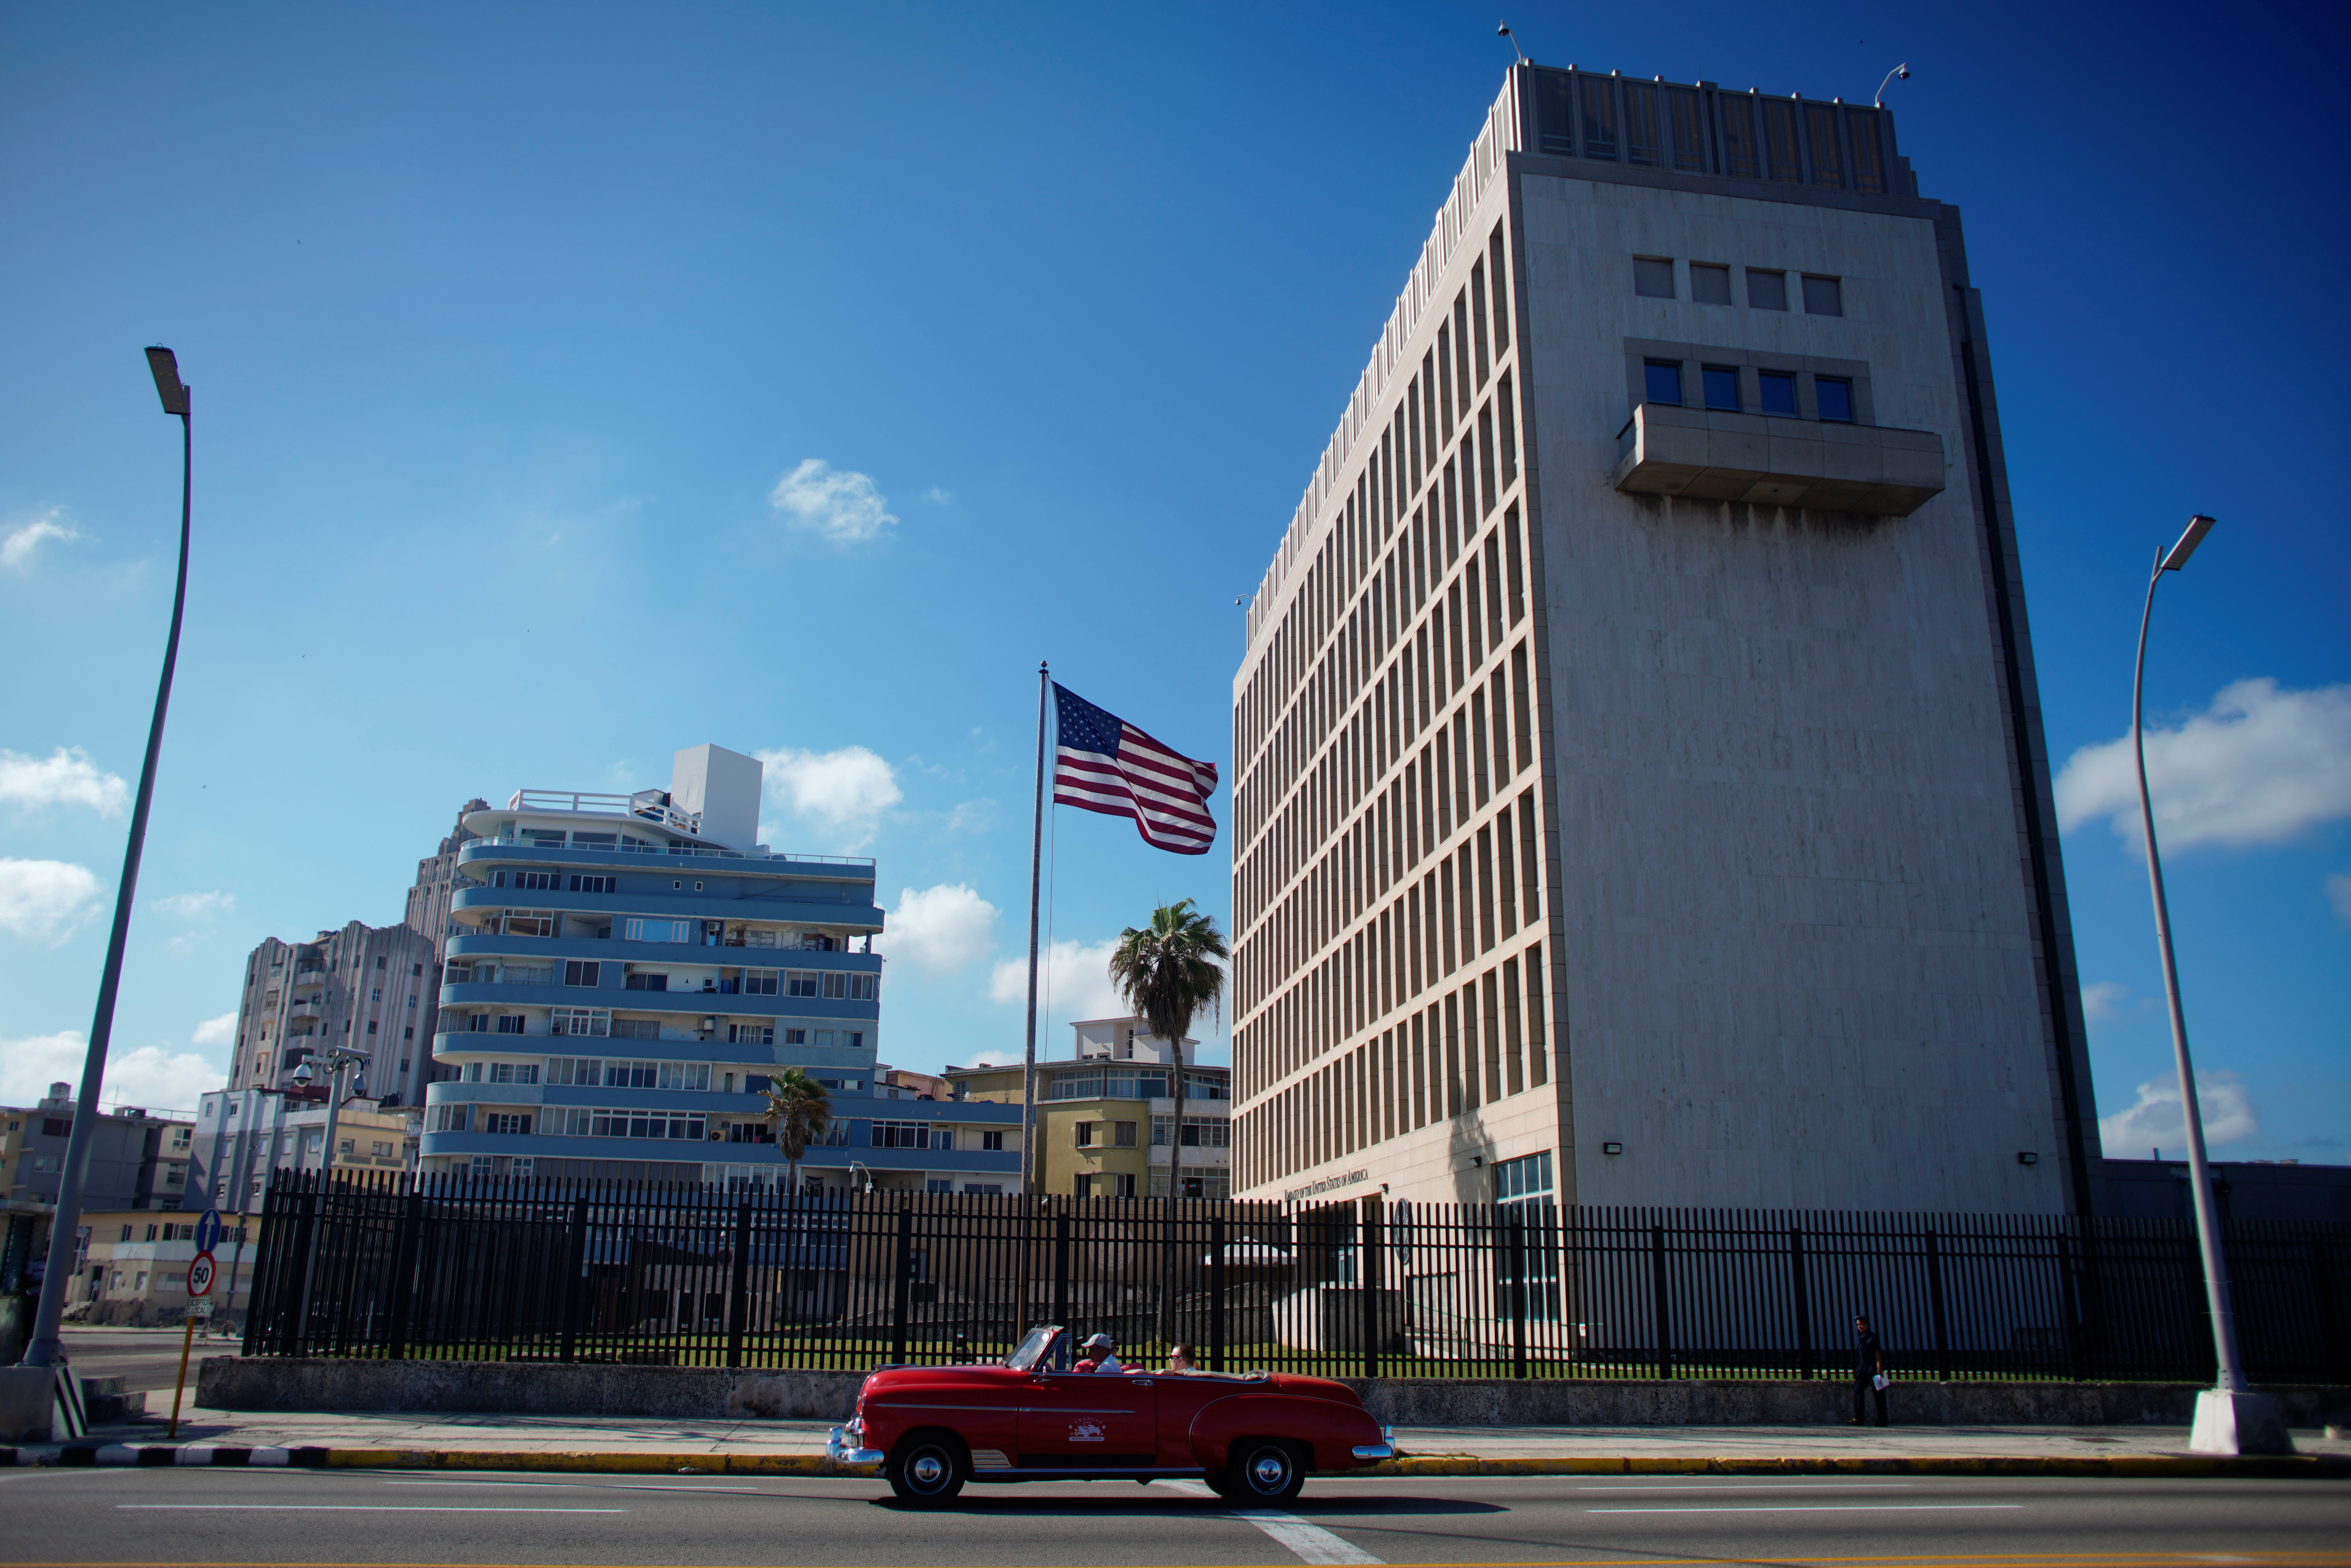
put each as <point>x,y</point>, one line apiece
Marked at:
<point>692,1276</point>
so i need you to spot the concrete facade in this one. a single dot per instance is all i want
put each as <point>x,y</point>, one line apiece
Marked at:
<point>1602,793</point>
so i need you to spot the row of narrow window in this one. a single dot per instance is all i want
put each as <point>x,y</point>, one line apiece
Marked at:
<point>1474,1045</point>
<point>1469,345</point>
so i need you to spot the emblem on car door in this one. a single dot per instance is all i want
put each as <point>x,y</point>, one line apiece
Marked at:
<point>1085,1432</point>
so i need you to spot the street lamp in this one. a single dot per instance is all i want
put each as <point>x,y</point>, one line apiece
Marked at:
<point>337,1058</point>
<point>45,1349</point>
<point>2231,1418</point>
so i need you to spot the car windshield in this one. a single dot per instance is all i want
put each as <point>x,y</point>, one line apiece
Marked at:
<point>1030,1349</point>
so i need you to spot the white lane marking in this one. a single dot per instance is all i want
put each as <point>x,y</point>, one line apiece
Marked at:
<point>1815,1508</point>
<point>1765,1486</point>
<point>584,1485</point>
<point>344,1507</point>
<point>1307,1542</point>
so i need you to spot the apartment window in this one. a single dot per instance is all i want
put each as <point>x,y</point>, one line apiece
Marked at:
<point>514,1072</point>
<point>539,881</point>
<point>1710,284</point>
<point>751,1034</point>
<point>860,987</point>
<point>1122,1185</point>
<point>371,1022</point>
<point>1664,381</point>
<point>592,885</point>
<point>1085,1135</point>
<point>511,1023</point>
<point>580,1021</point>
<point>416,971</point>
<point>1080,1187</point>
<point>991,1143</point>
<point>375,993</point>
<point>1653,278</point>
<point>632,1074</point>
<point>1766,291</point>
<point>378,963</point>
<point>1721,387</point>
<point>576,972</point>
<point>586,1072</point>
<point>1123,1134</point>
<point>1832,395</point>
<point>901,1135</point>
<point>645,983</point>
<point>1824,296</point>
<point>1778,392</point>
<point>759,982</point>
<point>530,923</point>
<point>801,982</point>
<point>795,1036</point>
<point>506,1122</point>
<point>635,930</point>
<point>695,1075</point>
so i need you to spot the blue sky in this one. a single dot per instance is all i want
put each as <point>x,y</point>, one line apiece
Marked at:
<point>509,331</point>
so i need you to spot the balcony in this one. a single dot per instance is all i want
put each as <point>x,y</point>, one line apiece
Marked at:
<point>306,1009</point>
<point>310,977</point>
<point>1767,460</point>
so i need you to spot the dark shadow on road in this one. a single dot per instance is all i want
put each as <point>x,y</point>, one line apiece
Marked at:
<point>1139,1500</point>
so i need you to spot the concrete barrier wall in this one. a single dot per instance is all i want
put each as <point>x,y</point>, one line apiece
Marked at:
<point>700,1393</point>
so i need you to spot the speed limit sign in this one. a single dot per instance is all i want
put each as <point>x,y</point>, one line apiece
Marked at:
<point>200,1275</point>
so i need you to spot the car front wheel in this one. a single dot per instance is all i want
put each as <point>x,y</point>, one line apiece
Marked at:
<point>1264,1472</point>
<point>927,1469</point>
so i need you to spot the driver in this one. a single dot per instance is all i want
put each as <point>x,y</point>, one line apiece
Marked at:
<point>1098,1357</point>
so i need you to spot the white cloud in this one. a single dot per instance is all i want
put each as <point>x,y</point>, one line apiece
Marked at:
<point>2155,1120</point>
<point>197,906</point>
<point>215,1031</point>
<point>844,790</point>
<point>2260,765</point>
<point>2102,1002</point>
<point>66,777</point>
<point>17,548</point>
<point>843,505</point>
<point>936,496</point>
<point>971,817</point>
<point>151,1076</point>
<point>2338,894</point>
<point>44,899</point>
<point>942,927</point>
<point>1073,979</point>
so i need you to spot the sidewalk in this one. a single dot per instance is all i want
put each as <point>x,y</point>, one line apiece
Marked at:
<point>525,1442</point>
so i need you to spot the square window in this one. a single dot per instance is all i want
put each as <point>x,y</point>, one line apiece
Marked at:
<point>992,1143</point>
<point>1834,397</point>
<point>1710,284</point>
<point>1824,296</point>
<point>1664,382</point>
<point>1778,391</point>
<point>1766,291</point>
<point>1653,278</point>
<point>1722,387</point>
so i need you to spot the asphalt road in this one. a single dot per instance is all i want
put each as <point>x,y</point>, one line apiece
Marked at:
<point>148,1358</point>
<point>156,1518</point>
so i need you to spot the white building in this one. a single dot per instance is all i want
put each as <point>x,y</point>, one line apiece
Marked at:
<point>1640,789</point>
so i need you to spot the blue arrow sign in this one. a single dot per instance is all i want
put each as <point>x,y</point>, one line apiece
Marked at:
<point>208,1230</point>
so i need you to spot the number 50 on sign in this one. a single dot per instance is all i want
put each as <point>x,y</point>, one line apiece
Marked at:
<point>200,1275</point>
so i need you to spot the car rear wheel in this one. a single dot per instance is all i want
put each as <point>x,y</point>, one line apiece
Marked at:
<point>1264,1470</point>
<point>927,1469</point>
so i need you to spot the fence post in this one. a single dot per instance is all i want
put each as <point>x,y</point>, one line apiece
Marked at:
<point>2070,1303</point>
<point>2330,1326</point>
<point>1658,1289</point>
<point>738,1290</point>
<point>1062,1267</point>
<point>1518,1225</point>
<point>901,1284</point>
<point>1803,1294</point>
<point>1216,1294</point>
<point>575,1280</point>
<point>404,1254</point>
<point>1934,1294</point>
<point>1367,1270</point>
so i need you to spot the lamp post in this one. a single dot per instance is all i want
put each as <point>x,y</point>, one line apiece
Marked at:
<point>338,1058</point>
<point>45,1349</point>
<point>2231,1418</point>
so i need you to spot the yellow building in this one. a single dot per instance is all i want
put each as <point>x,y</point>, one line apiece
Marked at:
<point>1106,1116</point>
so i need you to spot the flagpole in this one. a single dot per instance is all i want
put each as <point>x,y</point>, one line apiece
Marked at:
<point>1036,883</point>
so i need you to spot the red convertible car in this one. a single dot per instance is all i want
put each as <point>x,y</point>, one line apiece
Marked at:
<point>1251,1436</point>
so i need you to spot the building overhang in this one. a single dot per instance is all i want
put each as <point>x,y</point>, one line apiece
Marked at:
<point>1768,460</point>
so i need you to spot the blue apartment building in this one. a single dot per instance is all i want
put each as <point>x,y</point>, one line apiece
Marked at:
<point>626,973</point>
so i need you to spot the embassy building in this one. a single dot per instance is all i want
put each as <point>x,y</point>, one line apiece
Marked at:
<point>626,974</point>
<point>1640,790</point>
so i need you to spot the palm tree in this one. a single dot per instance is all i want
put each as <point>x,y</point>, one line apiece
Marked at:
<point>798,1109</point>
<point>1167,973</point>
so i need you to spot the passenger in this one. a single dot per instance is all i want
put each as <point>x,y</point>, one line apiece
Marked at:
<point>1098,1356</point>
<point>1179,1358</point>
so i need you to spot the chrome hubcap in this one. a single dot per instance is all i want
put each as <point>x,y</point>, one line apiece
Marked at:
<point>1267,1470</point>
<point>926,1471</point>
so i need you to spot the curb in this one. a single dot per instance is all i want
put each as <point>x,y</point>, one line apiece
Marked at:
<point>2305,1466</point>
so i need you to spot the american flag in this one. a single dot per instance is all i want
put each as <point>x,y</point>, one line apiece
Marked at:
<point>1103,764</point>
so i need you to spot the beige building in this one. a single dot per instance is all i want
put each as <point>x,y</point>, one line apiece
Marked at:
<point>243,1135</point>
<point>133,1267</point>
<point>368,987</point>
<point>1106,1115</point>
<point>1639,782</point>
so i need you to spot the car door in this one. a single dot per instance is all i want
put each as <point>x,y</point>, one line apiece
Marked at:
<point>1089,1421</point>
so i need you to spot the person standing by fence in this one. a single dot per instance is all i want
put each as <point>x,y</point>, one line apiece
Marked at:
<point>1868,1367</point>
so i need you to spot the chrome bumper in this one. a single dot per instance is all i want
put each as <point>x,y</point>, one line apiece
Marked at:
<point>1383,1449</point>
<point>845,1446</point>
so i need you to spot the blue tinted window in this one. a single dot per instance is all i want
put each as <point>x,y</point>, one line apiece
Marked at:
<point>1664,382</point>
<point>1779,391</point>
<point>1836,398</point>
<point>1721,388</point>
